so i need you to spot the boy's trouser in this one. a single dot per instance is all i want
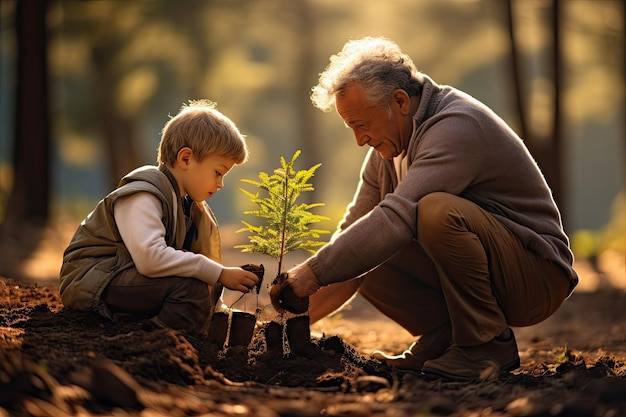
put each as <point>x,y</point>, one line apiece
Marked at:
<point>179,303</point>
<point>465,268</point>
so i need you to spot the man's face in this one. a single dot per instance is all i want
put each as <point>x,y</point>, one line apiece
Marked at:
<point>372,125</point>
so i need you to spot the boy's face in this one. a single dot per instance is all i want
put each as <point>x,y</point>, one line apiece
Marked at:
<point>203,179</point>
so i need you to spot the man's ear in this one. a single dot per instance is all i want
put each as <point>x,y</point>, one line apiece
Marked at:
<point>401,100</point>
<point>183,158</point>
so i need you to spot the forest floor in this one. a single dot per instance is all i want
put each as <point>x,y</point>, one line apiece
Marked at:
<point>55,362</point>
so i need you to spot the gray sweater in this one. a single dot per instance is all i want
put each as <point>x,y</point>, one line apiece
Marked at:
<point>459,146</point>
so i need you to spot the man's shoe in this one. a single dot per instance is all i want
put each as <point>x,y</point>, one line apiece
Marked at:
<point>482,362</point>
<point>430,345</point>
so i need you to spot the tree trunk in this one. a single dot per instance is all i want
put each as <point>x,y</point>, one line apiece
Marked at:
<point>554,158</point>
<point>29,200</point>
<point>309,143</point>
<point>516,74</point>
<point>546,151</point>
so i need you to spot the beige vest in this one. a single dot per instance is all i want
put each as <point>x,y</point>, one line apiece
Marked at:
<point>97,253</point>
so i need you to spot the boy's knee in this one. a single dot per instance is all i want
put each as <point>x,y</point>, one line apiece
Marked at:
<point>197,287</point>
<point>188,286</point>
<point>198,294</point>
<point>188,306</point>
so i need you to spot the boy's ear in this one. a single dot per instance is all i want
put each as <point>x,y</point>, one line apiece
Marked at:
<point>184,157</point>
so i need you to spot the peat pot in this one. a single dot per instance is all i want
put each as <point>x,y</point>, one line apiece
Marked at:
<point>299,336</point>
<point>218,328</point>
<point>241,328</point>
<point>274,337</point>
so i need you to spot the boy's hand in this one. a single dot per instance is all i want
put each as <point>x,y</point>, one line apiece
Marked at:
<point>238,279</point>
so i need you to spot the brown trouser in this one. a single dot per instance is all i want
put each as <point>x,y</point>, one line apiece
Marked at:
<point>468,269</point>
<point>179,303</point>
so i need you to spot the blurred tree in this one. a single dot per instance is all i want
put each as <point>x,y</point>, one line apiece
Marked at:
<point>553,154</point>
<point>28,201</point>
<point>140,56</point>
<point>306,37</point>
<point>516,70</point>
<point>547,151</point>
<point>27,210</point>
<point>119,130</point>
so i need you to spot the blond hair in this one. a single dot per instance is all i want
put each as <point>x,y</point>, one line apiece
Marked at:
<point>201,127</point>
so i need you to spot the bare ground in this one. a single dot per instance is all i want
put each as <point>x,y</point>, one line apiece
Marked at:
<point>55,362</point>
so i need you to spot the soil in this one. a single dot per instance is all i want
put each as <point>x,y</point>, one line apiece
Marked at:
<point>57,362</point>
<point>287,299</point>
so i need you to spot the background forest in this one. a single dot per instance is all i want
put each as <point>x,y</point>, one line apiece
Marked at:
<point>86,86</point>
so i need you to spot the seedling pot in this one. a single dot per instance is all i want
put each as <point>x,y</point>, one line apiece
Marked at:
<point>241,328</point>
<point>274,337</point>
<point>218,329</point>
<point>299,336</point>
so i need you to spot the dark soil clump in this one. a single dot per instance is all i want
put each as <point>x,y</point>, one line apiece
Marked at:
<point>259,270</point>
<point>288,300</point>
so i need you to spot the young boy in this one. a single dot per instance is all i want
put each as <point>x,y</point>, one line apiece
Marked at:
<point>151,248</point>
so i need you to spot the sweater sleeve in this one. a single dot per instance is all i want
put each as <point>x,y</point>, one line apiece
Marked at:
<point>138,218</point>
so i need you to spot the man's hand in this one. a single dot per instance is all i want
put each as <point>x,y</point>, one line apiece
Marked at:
<point>238,279</point>
<point>302,281</point>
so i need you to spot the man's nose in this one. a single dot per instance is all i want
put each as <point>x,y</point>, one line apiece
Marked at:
<point>362,139</point>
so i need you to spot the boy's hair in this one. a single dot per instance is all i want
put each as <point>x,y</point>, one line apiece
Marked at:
<point>201,127</point>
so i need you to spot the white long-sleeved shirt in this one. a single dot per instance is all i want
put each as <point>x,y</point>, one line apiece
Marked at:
<point>138,219</point>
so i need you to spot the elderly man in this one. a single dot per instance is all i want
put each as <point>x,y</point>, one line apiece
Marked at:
<point>453,232</point>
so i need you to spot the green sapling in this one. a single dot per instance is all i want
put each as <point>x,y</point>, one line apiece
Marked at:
<point>285,221</point>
